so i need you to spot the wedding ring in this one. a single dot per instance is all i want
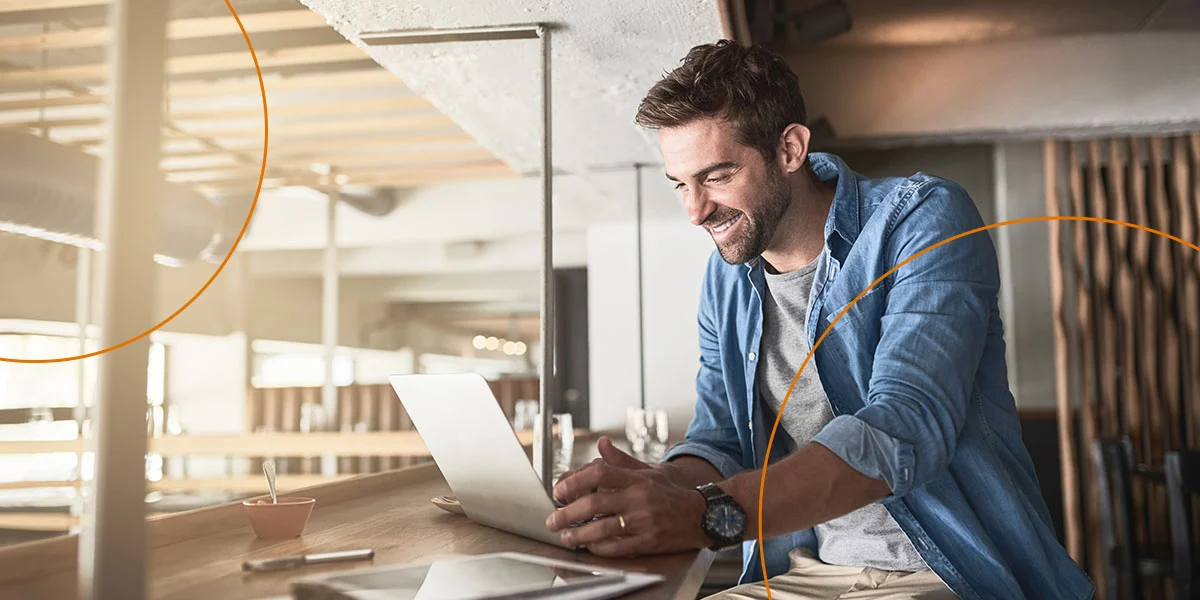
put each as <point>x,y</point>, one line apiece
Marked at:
<point>621,520</point>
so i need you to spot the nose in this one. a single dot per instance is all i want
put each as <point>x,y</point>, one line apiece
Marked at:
<point>698,207</point>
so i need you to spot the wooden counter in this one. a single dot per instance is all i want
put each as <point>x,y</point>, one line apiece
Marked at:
<point>198,554</point>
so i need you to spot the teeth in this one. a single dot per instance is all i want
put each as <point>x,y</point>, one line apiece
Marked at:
<point>725,225</point>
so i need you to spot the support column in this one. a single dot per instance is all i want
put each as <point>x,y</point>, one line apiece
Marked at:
<point>640,294</point>
<point>112,545</point>
<point>329,322</point>
<point>548,398</point>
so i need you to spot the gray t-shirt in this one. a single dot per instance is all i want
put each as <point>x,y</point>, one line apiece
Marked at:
<point>869,536</point>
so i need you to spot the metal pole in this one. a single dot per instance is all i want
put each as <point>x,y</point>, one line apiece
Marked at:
<point>498,33</point>
<point>329,321</point>
<point>112,544</point>
<point>548,313</point>
<point>640,311</point>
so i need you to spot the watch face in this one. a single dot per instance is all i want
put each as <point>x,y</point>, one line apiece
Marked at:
<point>725,520</point>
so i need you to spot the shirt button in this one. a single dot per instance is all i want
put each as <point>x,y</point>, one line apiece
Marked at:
<point>752,356</point>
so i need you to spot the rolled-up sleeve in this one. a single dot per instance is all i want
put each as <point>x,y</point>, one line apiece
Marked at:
<point>717,458</point>
<point>932,337</point>
<point>711,435</point>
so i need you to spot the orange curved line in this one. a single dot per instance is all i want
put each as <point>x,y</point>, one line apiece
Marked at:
<point>762,486</point>
<point>258,190</point>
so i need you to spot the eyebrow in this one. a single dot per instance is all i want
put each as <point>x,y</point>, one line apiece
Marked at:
<point>706,170</point>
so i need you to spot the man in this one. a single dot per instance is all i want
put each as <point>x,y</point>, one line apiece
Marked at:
<point>898,470</point>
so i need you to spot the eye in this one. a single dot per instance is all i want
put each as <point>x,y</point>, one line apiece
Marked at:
<point>718,179</point>
<point>679,186</point>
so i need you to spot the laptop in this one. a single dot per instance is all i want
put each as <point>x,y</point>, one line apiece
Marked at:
<point>478,452</point>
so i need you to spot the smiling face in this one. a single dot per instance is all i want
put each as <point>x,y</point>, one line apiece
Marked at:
<point>728,188</point>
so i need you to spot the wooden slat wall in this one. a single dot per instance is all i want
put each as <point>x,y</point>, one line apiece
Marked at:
<point>360,407</point>
<point>1136,349</point>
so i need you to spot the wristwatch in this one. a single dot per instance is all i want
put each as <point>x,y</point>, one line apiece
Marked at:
<point>724,522</point>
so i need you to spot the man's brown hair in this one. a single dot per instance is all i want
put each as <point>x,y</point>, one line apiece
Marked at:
<point>749,87</point>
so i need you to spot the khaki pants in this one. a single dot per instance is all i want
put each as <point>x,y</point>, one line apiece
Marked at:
<point>811,579</point>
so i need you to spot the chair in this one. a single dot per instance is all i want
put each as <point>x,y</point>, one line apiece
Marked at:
<point>1183,481</point>
<point>1124,565</point>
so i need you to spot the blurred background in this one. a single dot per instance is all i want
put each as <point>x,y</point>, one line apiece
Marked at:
<point>398,229</point>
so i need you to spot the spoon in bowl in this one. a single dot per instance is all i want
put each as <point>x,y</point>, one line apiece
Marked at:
<point>269,470</point>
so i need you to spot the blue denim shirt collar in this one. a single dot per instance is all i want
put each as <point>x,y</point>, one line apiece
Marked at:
<point>844,214</point>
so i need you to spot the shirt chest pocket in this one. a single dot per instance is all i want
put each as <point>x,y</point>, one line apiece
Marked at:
<point>863,312</point>
<point>851,342</point>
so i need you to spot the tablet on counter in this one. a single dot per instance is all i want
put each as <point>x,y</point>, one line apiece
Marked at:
<point>485,577</point>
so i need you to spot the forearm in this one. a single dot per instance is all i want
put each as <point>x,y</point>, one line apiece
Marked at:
<point>690,471</point>
<point>809,487</point>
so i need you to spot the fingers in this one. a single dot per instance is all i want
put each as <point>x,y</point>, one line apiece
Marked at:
<point>584,509</point>
<point>566,490</point>
<point>594,476</point>
<point>596,531</point>
<point>572,472</point>
<point>614,456</point>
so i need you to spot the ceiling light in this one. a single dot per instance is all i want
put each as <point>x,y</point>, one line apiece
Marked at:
<point>341,179</point>
<point>510,348</point>
<point>492,343</point>
<point>479,342</point>
<point>519,348</point>
<point>321,168</point>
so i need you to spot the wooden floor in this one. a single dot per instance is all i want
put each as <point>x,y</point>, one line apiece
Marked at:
<point>198,554</point>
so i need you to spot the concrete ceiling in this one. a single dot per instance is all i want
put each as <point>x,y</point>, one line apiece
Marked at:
<point>605,56</point>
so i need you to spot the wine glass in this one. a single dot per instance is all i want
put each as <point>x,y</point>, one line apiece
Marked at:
<point>637,430</point>
<point>659,432</point>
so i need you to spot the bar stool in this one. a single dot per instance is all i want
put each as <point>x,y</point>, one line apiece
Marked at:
<point>1183,482</point>
<point>1124,563</point>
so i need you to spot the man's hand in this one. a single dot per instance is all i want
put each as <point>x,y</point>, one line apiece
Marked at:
<point>659,516</point>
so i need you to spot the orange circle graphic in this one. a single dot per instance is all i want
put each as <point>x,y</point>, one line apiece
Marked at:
<point>258,189</point>
<point>762,486</point>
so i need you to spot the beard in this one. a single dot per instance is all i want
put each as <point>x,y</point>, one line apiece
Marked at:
<point>759,226</point>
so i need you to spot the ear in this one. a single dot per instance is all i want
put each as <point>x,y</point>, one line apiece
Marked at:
<point>793,147</point>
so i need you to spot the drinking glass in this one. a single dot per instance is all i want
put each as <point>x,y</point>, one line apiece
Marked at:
<point>524,414</point>
<point>563,440</point>
<point>637,430</point>
<point>659,433</point>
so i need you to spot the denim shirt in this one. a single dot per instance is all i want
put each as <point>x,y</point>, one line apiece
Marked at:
<point>916,378</point>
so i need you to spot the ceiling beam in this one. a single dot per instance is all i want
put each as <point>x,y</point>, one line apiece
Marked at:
<point>431,158</point>
<point>179,29</point>
<point>399,178</point>
<point>371,77</point>
<point>356,106</point>
<point>191,65</point>
<point>331,145</point>
<point>7,6</point>
<point>384,126</point>
<point>392,173</point>
<point>428,157</point>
